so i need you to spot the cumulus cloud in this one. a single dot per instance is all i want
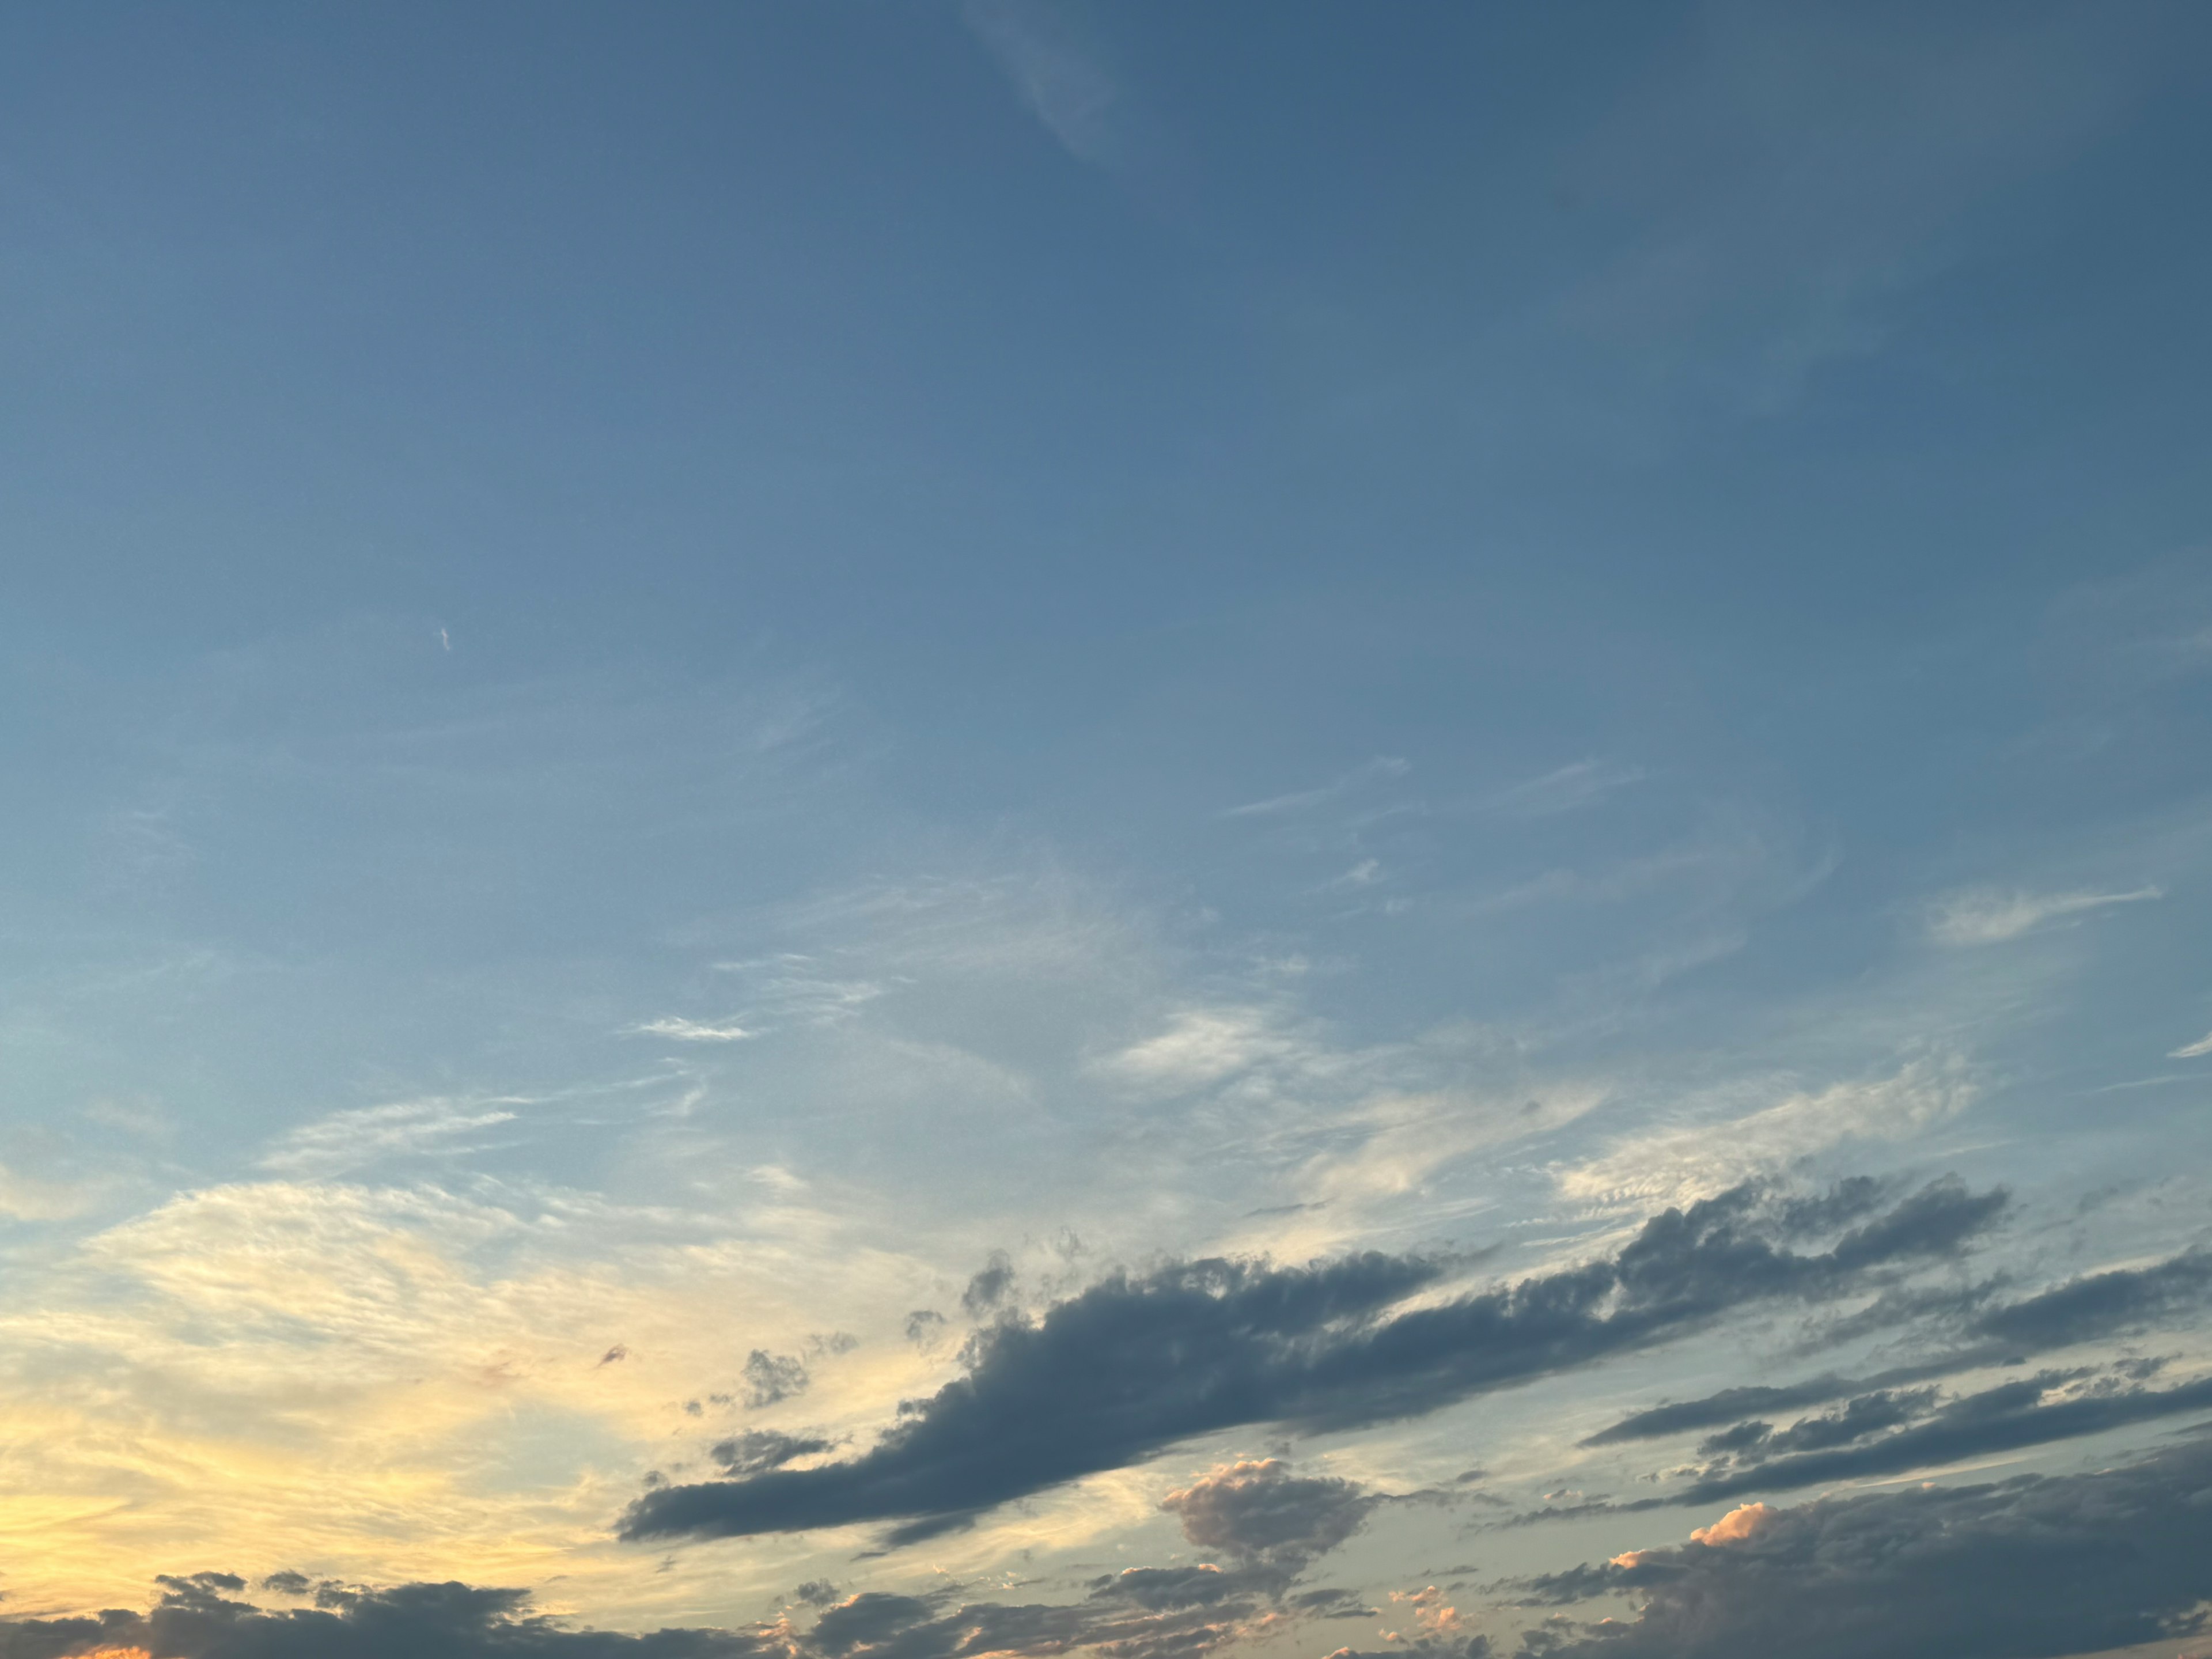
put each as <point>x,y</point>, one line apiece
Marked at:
<point>1735,1526</point>
<point>1262,1515</point>
<point>2038,1565</point>
<point>1135,1364</point>
<point>1989,915</point>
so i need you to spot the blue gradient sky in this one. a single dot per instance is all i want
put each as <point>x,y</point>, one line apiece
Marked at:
<point>669,671</point>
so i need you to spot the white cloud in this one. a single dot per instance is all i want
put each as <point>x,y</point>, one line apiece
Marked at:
<point>1382,766</point>
<point>1578,785</point>
<point>346,1140</point>
<point>2196,1050</point>
<point>693,1030</point>
<point>1989,915</point>
<point>1736,1525</point>
<point>23,1198</point>
<point>1676,1163</point>
<point>1201,1045</point>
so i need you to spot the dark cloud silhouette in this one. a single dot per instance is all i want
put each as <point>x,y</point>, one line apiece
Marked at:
<point>1136,1363</point>
<point>1862,1415</point>
<point>198,1618</point>
<point>1735,1406</point>
<point>770,1377</point>
<point>989,1288</point>
<point>1264,1517</point>
<point>923,1325</point>
<point>2041,1565</point>
<point>2080,1311</point>
<point>2006,1418</point>
<point>2101,1304</point>
<point>1168,1612</point>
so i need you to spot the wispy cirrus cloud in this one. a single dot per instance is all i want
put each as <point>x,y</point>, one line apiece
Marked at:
<point>1051,53</point>
<point>347,1140</point>
<point>1299,800</point>
<point>1583,783</point>
<point>695,1030</point>
<point>1991,916</point>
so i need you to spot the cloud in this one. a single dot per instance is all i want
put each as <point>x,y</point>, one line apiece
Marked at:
<point>406,1128</point>
<point>1300,800</point>
<point>1133,1364</point>
<point>1735,1526</point>
<point>1056,65</point>
<point>2100,1305</point>
<point>196,1619</point>
<point>2196,1050</point>
<point>989,1288</point>
<point>2006,1418</point>
<point>1989,915</point>
<point>1582,784</point>
<point>1142,1613</point>
<point>2081,1309</point>
<point>1204,1046</point>
<point>693,1030</point>
<point>757,1451</point>
<point>2038,1565</point>
<point>1265,1517</point>
<point>1674,1163</point>
<point>771,1378</point>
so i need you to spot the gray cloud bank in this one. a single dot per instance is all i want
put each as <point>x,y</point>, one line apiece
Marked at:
<point>2029,1569</point>
<point>1886,1426</point>
<point>1136,1363</point>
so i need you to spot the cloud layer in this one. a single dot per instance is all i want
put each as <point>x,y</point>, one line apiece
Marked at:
<point>1136,1363</point>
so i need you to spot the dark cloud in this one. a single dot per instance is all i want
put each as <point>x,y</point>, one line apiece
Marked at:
<point>1171,1612</point>
<point>1861,1416</point>
<point>198,1618</point>
<point>1263,1516</point>
<point>989,1288</point>
<point>2101,1304</point>
<point>1728,1406</point>
<point>2007,1418</point>
<point>2080,1311</point>
<point>758,1450</point>
<point>1135,1364</point>
<point>2034,1567</point>
<point>923,1324</point>
<point>770,1377</point>
<point>1119,1619</point>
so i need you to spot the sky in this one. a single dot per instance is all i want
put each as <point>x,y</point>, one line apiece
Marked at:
<point>1008,828</point>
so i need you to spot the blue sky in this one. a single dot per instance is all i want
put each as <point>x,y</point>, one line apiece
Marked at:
<point>676,677</point>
